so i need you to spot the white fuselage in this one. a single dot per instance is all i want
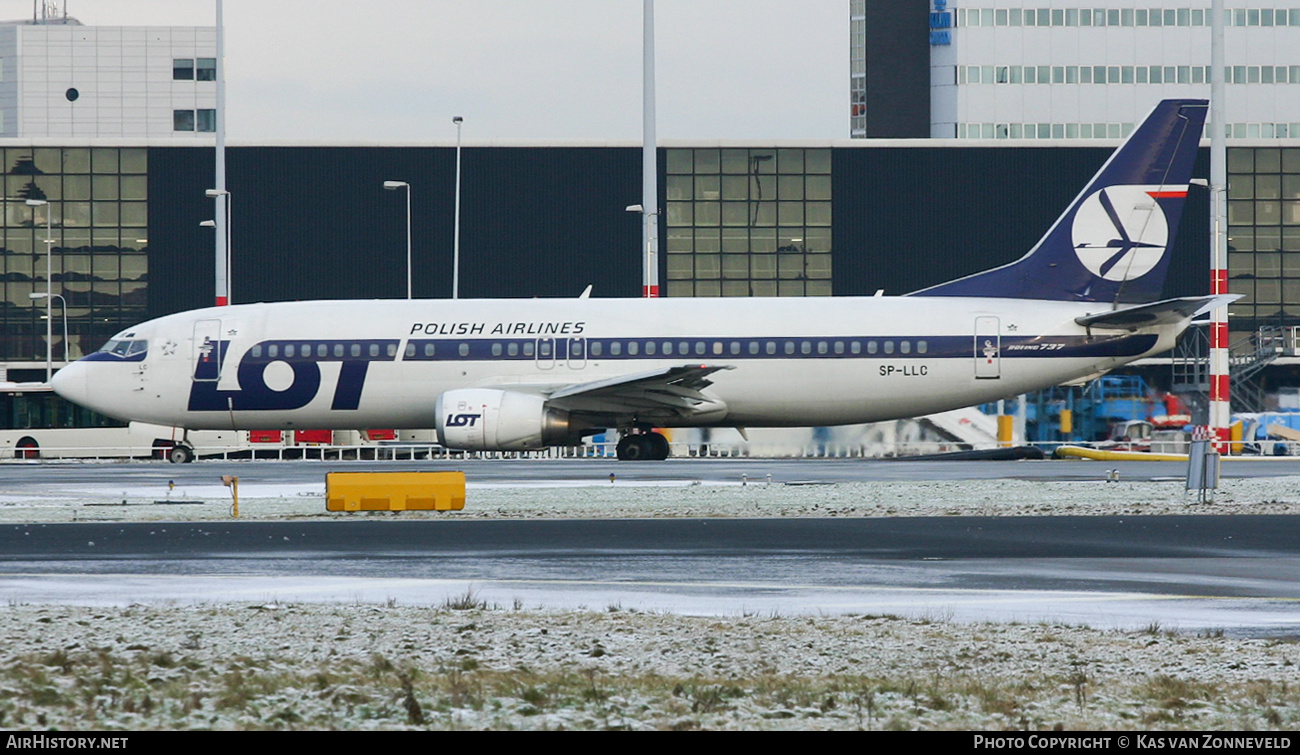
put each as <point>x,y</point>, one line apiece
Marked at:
<point>791,362</point>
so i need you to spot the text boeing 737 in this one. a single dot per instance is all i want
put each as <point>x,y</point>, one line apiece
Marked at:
<point>525,374</point>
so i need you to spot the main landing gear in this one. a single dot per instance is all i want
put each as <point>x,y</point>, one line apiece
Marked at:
<point>642,446</point>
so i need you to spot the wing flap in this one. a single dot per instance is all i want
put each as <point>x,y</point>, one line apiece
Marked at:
<point>667,392</point>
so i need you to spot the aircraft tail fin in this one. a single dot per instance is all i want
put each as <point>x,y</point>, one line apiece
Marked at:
<point>1111,243</point>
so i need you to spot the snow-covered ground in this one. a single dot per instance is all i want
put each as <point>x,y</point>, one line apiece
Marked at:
<point>464,664</point>
<point>467,666</point>
<point>603,499</point>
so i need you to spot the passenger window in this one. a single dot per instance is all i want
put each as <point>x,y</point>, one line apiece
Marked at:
<point>463,349</point>
<point>257,351</point>
<point>391,349</point>
<point>650,348</point>
<point>615,348</point>
<point>338,349</point>
<point>805,348</point>
<point>428,349</point>
<point>839,347</point>
<point>889,347</point>
<point>771,347</point>
<point>871,347</point>
<point>528,348</point>
<point>905,347</point>
<point>855,347</point>
<point>512,349</point>
<point>735,347</point>
<point>544,348</point>
<point>323,351</point>
<point>575,350</point>
<point>684,348</point>
<point>922,347</point>
<point>668,348</point>
<point>288,350</point>
<point>753,347</point>
<point>789,347</point>
<point>633,348</point>
<point>496,349</point>
<point>374,349</point>
<point>700,348</point>
<point>410,349</point>
<point>821,347</point>
<point>596,348</point>
<point>355,350</point>
<point>273,351</point>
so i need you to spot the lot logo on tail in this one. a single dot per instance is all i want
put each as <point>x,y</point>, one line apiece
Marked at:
<point>1120,232</point>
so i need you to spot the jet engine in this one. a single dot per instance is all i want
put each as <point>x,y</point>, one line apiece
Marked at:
<point>487,419</point>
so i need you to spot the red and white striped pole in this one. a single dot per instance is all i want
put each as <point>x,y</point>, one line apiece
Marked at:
<point>1220,386</point>
<point>1220,400</point>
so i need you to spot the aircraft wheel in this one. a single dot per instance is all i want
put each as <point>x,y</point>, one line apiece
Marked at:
<point>632,448</point>
<point>642,447</point>
<point>180,454</point>
<point>659,448</point>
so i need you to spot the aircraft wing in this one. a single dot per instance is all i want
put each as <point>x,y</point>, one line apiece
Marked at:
<point>1156,313</point>
<point>667,392</point>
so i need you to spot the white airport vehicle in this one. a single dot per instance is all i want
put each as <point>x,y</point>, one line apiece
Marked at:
<point>33,425</point>
<point>526,374</point>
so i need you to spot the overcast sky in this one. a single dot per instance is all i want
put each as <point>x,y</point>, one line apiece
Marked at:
<point>515,69</point>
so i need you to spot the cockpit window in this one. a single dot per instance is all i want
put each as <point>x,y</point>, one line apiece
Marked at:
<point>126,347</point>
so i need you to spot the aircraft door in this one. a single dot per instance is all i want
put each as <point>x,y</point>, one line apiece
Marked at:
<point>577,353</point>
<point>988,348</point>
<point>208,350</point>
<point>545,353</point>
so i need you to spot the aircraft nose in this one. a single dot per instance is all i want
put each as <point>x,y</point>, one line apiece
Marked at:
<point>71,382</point>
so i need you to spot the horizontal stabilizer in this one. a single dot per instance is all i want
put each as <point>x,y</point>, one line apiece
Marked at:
<point>1164,312</point>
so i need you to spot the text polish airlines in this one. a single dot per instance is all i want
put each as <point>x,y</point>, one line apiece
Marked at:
<point>525,374</point>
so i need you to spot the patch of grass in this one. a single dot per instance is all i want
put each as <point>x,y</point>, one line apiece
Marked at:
<point>469,601</point>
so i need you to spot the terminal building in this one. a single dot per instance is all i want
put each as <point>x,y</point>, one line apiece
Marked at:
<point>109,200</point>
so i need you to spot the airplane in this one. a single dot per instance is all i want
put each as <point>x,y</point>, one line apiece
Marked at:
<point>526,374</point>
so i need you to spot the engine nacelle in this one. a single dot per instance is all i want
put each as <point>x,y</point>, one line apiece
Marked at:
<point>486,419</point>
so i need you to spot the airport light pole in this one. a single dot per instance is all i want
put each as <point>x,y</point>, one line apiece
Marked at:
<point>455,239</point>
<point>649,157</point>
<point>63,304</point>
<point>49,285</point>
<point>393,186</point>
<point>223,230</point>
<point>221,242</point>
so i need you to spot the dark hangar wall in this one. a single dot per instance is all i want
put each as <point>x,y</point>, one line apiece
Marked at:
<point>910,217</point>
<point>316,222</point>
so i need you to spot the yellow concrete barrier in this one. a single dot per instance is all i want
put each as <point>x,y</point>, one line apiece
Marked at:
<point>395,491</point>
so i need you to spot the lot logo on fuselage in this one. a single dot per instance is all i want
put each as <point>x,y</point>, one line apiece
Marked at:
<point>1120,232</point>
<point>303,359</point>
